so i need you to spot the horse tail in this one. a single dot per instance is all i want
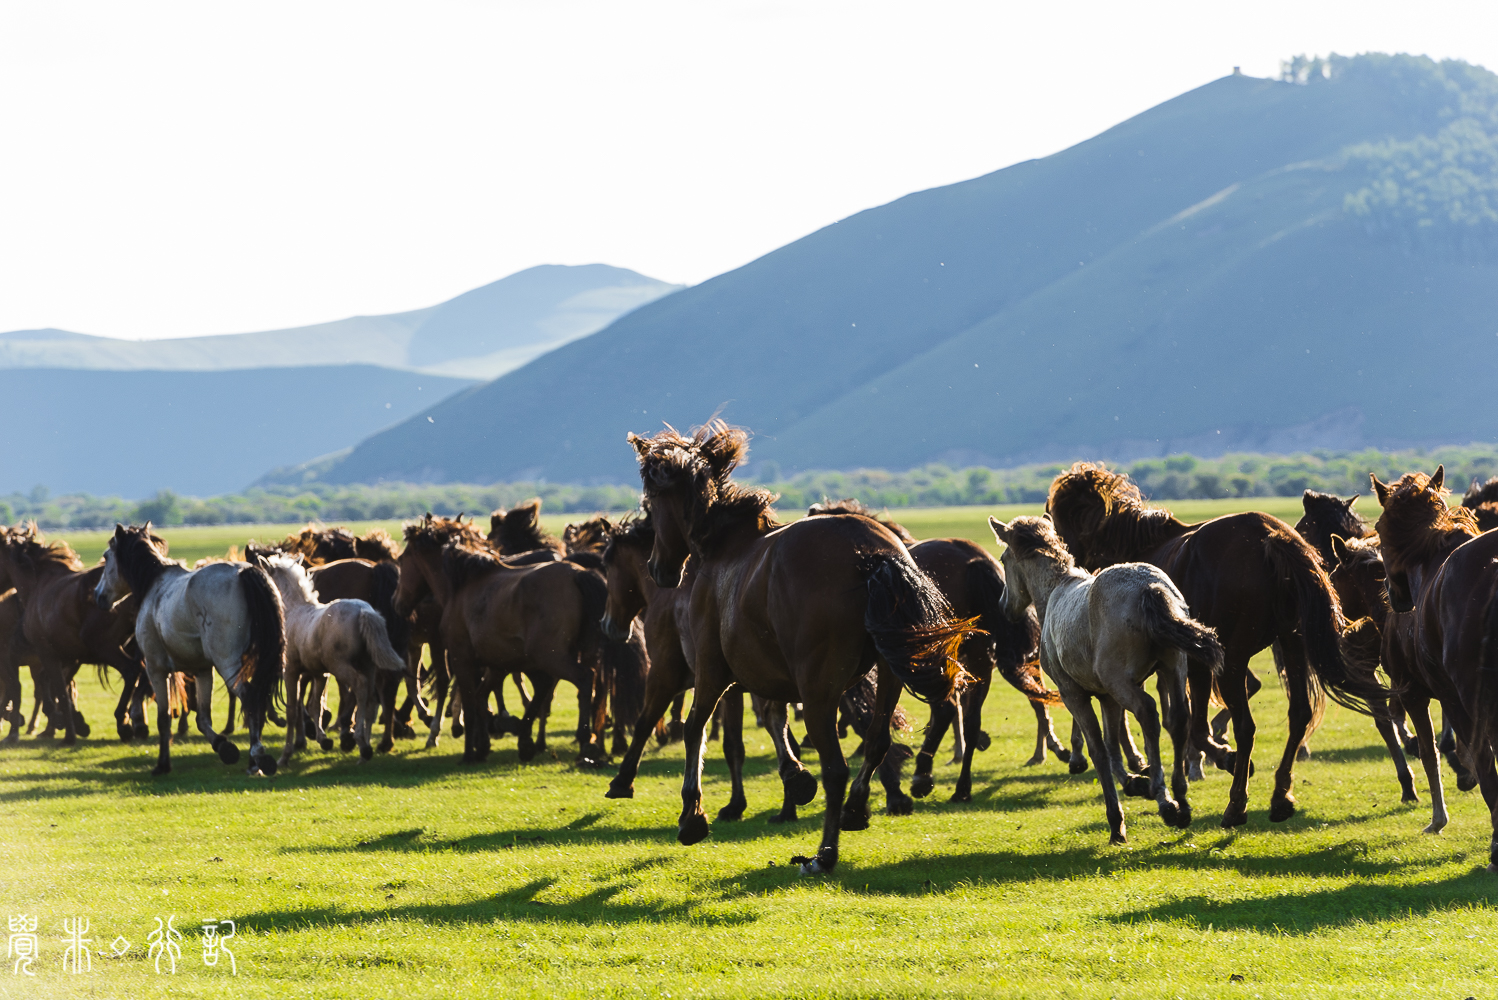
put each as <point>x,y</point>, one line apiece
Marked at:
<point>1320,624</point>
<point>1486,714</point>
<point>1167,622</point>
<point>912,627</point>
<point>176,692</point>
<point>387,578</point>
<point>264,659</point>
<point>625,666</point>
<point>374,629</point>
<point>1014,643</point>
<point>594,593</point>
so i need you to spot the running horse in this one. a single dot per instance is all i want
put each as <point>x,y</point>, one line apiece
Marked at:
<point>1443,570</point>
<point>790,612</point>
<point>225,617</point>
<point>1249,577</point>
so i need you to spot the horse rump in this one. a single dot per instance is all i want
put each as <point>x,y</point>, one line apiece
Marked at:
<point>264,659</point>
<point>1485,716</point>
<point>387,576</point>
<point>1166,623</point>
<point>912,627</point>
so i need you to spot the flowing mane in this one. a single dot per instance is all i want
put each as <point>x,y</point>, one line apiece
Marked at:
<point>850,506</point>
<point>377,546</point>
<point>591,535</point>
<point>701,466</point>
<point>1029,536</point>
<point>462,562</point>
<point>1417,524</point>
<point>632,530</point>
<point>519,530</point>
<point>438,531</point>
<point>1480,493</point>
<point>279,565</point>
<point>36,553</point>
<point>1105,517</point>
<point>140,557</point>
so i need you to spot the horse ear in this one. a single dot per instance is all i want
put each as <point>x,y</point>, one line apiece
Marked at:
<point>1339,547</point>
<point>1000,529</point>
<point>642,446</point>
<point>1438,478</point>
<point>1351,500</point>
<point>148,527</point>
<point>1379,489</point>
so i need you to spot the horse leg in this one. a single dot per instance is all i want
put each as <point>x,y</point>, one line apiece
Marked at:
<point>159,681</point>
<point>797,783</point>
<point>227,752</point>
<point>41,685</point>
<point>1465,779</point>
<point>1170,682</point>
<point>344,724</point>
<point>589,693</point>
<point>441,678</point>
<point>1240,761</point>
<point>468,674</point>
<point>1221,719</point>
<point>713,679</point>
<point>1390,733</point>
<point>130,677</point>
<point>388,688</point>
<point>1292,657</point>
<point>669,674</point>
<point>676,731</point>
<point>820,713</point>
<point>1077,763</point>
<point>976,695</point>
<point>1079,703</point>
<point>942,715</point>
<point>1115,729</point>
<point>1418,708</point>
<point>538,709</point>
<point>65,703</point>
<point>294,711</point>
<point>876,744</point>
<point>228,729</point>
<point>366,700</point>
<point>731,711</point>
<point>1135,699</point>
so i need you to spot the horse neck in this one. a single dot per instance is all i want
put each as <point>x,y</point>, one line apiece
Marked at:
<point>1043,576</point>
<point>1131,534</point>
<point>430,559</point>
<point>30,579</point>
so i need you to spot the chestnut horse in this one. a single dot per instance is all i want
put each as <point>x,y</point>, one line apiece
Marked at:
<point>65,628</point>
<point>541,619</point>
<point>1444,571</point>
<point>792,613</point>
<point>1251,578</point>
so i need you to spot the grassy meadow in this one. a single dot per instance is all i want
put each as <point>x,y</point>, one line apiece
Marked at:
<point>414,875</point>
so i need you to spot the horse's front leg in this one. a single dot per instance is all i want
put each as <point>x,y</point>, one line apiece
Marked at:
<point>1116,734</point>
<point>974,737</point>
<point>797,783</point>
<point>1239,761</point>
<point>713,679</point>
<point>295,721</point>
<point>669,674</point>
<point>1079,703</point>
<point>227,751</point>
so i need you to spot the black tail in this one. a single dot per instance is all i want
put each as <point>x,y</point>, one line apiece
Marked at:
<point>625,666</point>
<point>1481,741</point>
<point>382,599</point>
<point>912,627</point>
<point>1318,619</point>
<point>1166,622</point>
<point>595,596</point>
<point>265,657</point>
<point>1014,643</point>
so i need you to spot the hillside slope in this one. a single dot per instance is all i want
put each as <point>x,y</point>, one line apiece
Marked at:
<point>201,433</point>
<point>477,335</point>
<point>1145,289</point>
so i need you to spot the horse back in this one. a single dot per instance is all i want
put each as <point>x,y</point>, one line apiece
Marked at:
<point>1222,569</point>
<point>1451,613</point>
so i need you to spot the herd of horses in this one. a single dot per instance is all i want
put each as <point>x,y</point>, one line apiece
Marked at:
<point>827,619</point>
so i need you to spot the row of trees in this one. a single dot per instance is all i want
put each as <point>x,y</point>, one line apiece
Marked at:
<point>1177,477</point>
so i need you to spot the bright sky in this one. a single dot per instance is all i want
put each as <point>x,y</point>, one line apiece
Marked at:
<point>171,169</point>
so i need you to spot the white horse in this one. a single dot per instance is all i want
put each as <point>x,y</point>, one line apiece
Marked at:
<point>1102,636</point>
<point>345,638</point>
<point>225,616</point>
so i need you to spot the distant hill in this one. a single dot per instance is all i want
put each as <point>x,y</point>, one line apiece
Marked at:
<point>480,334</point>
<point>201,433</point>
<point>1254,265</point>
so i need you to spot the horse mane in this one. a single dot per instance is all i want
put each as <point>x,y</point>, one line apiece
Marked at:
<point>1030,536</point>
<point>377,546</point>
<point>1417,525</point>
<point>1480,493</point>
<point>701,466</point>
<point>850,506</point>
<point>519,530</point>
<point>591,535</point>
<point>27,546</point>
<point>1107,518</point>
<point>631,531</point>
<point>140,557</point>
<point>318,544</point>
<point>462,562</point>
<point>280,562</point>
<point>438,531</point>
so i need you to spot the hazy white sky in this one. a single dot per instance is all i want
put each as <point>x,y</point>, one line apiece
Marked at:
<point>170,169</point>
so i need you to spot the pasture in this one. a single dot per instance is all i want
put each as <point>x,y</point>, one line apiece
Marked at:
<point>415,875</point>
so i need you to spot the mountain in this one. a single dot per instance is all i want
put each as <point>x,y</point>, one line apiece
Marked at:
<point>201,433</point>
<point>1254,264</point>
<point>478,335</point>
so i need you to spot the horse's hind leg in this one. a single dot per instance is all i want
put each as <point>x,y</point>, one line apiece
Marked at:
<point>943,713</point>
<point>1302,712</point>
<point>387,687</point>
<point>1240,760</point>
<point>159,682</point>
<point>1137,700</point>
<point>295,716</point>
<point>976,696</point>
<point>228,729</point>
<point>1077,763</point>
<point>366,701</point>
<point>227,751</point>
<point>1171,685</point>
<point>1418,707</point>
<point>1115,734</point>
<point>876,743</point>
<point>799,786</point>
<point>731,711</point>
<point>441,678</point>
<point>820,713</point>
<point>1386,729</point>
<point>1080,706</point>
<point>344,724</point>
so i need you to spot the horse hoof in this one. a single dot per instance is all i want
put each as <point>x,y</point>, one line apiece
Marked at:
<point>786,815</point>
<point>692,830</point>
<point>1137,787</point>
<point>1077,765</point>
<point>1194,772</point>
<point>854,819</point>
<point>1234,815</point>
<point>922,785</point>
<point>386,746</point>
<point>161,769</point>
<point>82,728</point>
<point>1118,839</point>
<point>620,788</point>
<point>824,862</point>
<point>676,732</point>
<point>899,804</point>
<point>346,743</point>
<point>1170,814</point>
<point>982,741</point>
<point>366,753</point>
<point>266,766</point>
<point>1063,755</point>
<point>125,733</point>
<point>1303,754</point>
<point>526,747</point>
<point>326,743</point>
<point>1410,796</point>
<point>1183,816</point>
<point>457,729</point>
<point>228,752</point>
<point>731,813</point>
<point>801,787</point>
<point>962,795</point>
<point>1281,809</point>
<point>1433,829</point>
<point>69,741</point>
<point>141,732</point>
<point>1466,782</point>
<point>403,731</point>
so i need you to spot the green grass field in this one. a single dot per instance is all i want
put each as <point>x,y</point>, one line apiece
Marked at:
<point>415,876</point>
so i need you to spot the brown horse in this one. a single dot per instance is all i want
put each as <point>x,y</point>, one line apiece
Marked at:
<point>792,613</point>
<point>540,619</point>
<point>518,530</point>
<point>66,628</point>
<point>1482,500</point>
<point>1248,576</point>
<point>1443,570</point>
<point>15,652</point>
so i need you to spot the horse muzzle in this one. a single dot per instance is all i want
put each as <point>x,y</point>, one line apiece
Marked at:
<point>102,599</point>
<point>662,576</point>
<point>611,629</point>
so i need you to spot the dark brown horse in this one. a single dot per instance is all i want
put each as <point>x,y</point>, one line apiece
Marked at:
<point>1482,500</point>
<point>518,530</point>
<point>1248,576</point>
<point>66,628</point>
<point>541,619</point>
<point>1443,570</point>
<point>792,613</point>
<point>15,652</point>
